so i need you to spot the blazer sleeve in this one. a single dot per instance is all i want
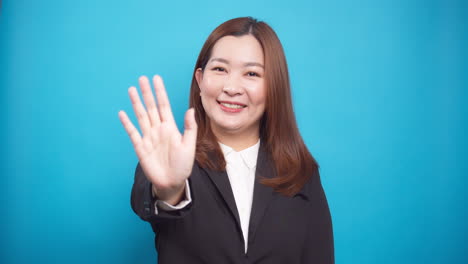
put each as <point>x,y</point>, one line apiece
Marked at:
<point>319,246</point>
<point>143,202</point>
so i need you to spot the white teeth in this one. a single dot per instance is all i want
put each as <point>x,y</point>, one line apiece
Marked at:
<point>235,106</point>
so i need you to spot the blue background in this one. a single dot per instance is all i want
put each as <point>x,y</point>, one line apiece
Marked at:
<point>380,93</point>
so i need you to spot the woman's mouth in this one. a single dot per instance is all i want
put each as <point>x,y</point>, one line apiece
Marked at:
<point>231,107</point>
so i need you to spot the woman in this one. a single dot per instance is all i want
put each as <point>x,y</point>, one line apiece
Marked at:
<point>239,186</point>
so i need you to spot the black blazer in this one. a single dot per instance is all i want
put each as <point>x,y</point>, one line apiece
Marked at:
<point>282,229</point>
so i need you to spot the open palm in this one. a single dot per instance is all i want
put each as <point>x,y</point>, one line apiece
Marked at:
<point>165,155</point>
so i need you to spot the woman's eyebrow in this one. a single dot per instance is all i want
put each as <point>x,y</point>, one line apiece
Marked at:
<point>247,64</point>
<point>253,64</point>
<point>220,60</point>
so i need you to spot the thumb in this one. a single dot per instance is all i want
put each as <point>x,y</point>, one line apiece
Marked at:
<point>190,134</point>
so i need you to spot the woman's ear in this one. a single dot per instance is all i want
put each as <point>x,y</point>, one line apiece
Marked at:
<point>199,76</point>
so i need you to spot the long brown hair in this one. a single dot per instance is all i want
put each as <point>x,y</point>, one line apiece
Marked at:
<point>278,129</point>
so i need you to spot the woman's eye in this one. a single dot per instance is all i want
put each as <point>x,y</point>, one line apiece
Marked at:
<point>221,69</point>
<point>253,74</point>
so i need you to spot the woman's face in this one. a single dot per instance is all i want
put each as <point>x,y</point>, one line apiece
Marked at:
<point>232,85</point>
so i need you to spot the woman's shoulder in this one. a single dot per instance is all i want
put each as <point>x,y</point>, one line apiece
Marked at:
<point>312,189</point>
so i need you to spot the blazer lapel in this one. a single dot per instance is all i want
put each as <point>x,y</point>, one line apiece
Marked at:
<point>262,194</point>
<point>221,181</point>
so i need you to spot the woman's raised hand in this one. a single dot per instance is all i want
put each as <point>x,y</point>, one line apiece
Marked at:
<point>165,155</point>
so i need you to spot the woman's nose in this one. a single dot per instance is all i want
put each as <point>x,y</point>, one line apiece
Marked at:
<point>233,86</point>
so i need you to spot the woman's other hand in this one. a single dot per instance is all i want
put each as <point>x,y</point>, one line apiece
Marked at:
<point>165,155</point>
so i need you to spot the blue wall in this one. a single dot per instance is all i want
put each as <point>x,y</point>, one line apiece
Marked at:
<point>380,93</point>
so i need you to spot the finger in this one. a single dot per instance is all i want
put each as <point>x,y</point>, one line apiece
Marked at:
<point>190,134</point>
<point>148,98</point>
<point>130,128</point>
<point>140,111</point>
<point>165,112</point>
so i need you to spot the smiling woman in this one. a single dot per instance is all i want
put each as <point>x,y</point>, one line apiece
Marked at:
<point>239,186</point>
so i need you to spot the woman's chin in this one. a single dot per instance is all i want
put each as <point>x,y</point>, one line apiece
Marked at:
<point>228,128</point>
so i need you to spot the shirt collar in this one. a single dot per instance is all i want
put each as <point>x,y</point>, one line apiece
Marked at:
<point>249,155</point>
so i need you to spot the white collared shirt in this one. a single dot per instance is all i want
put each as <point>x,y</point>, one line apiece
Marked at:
<point>240,168</point>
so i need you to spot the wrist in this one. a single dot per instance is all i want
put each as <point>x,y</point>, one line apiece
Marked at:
<point>172,197</point>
